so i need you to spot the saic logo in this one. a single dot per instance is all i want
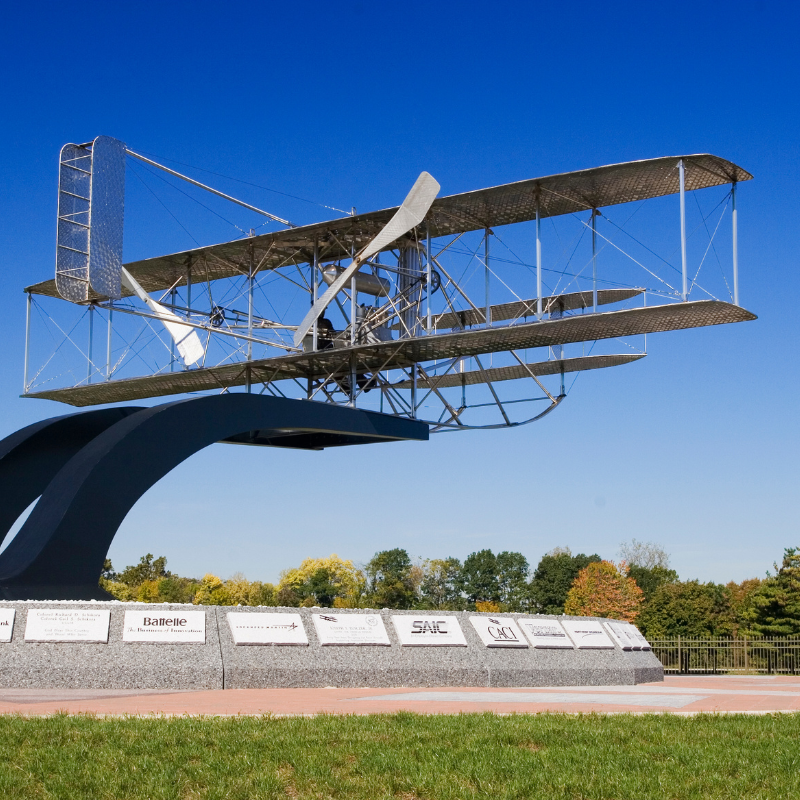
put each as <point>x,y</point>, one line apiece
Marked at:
<point>429,626</point>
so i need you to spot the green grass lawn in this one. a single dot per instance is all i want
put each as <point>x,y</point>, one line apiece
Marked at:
<point>403,756</point>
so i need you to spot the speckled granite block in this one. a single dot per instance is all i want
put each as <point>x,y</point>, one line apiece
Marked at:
<point>219,663</point>
<point>115,665</point>
<point>646,667</point>
<point>396,666</point>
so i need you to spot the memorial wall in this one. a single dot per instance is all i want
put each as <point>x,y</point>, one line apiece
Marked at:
<point>138,646</point>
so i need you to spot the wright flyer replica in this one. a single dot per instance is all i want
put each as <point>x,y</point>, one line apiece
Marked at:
<point>443,314</point>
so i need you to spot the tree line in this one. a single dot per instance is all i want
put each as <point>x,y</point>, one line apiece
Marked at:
<point>641,588</point>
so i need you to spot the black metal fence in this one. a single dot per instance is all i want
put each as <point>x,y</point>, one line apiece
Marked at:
<point>748,655</point>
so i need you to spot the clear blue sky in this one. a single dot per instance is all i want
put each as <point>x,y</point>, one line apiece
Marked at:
<point>695,447</point>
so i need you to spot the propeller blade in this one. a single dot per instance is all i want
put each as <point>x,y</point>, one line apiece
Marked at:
<point>186,339</point>
<point>408,216</point>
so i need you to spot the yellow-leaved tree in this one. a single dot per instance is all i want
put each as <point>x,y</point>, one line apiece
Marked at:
<point>603,589</point>
<point>249,593</point>
<point>328,582</point>
<point>213,592</point>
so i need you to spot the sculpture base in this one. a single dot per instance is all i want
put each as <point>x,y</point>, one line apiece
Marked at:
<point>219,663</point>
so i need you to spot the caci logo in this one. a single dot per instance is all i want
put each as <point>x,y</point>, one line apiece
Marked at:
<point>501,633</point>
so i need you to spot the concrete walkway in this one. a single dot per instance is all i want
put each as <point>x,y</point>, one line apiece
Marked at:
<point>677,694</point>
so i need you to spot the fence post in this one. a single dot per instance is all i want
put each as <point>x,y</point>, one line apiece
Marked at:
<point>680,660</point>
<point>746,659</point>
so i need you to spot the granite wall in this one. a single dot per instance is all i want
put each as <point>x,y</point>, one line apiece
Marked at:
<point>219,663</point>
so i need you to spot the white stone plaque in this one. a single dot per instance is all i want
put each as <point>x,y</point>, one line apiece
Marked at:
<point>6,623</point>
<point>266,628</point>
<point>161,626</point>
<point>420,630</point>
<point>621,636</point>
<point>56,625</point>
<point>350,629</point>
<point>588,635</point>
<point>545,633</point>
<point>636,635</point>
<point>498,631</point>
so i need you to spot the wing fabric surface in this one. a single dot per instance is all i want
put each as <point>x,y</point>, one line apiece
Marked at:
<point>402,353</point>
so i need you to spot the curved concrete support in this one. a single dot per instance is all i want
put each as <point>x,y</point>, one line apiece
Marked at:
<point>59,551</point>
<point>32,456</point>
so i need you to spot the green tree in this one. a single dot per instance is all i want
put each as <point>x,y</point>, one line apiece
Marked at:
<point>177,590</point>
<point>330,581</point>
<point>648,579</point>
<point>439,586</point>
<point>390,580</point>
<point>149,581</point>
<point>687,608</point>
<point>775,604</point>
<point>148,569</point>
<point>321,588</point>
<point>512,581</point>
<point>478,578</point>
<point>287,596</point>
<point>553,578</point>
<point>127,585</point>
<point>741,597</point>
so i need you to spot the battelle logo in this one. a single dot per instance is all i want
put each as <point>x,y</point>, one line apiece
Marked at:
<point>175,622</point>
<point>429,626</point>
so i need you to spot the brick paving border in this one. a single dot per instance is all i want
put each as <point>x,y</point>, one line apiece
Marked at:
<point>683,695</point>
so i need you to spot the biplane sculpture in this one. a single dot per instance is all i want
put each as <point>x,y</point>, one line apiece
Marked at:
<point>403,319</point>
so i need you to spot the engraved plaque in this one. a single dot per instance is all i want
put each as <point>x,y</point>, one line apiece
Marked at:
<point>6,623</point>
<point>545,633</point>
<point>56,625</point>
<point>428,630</point>
<point>588,635</point>
<point>266,628</point>
<point>636,635</point>
<point>498,631</point>
<point>350,629</point>
<point>621,636</point>
<point>165,627</point>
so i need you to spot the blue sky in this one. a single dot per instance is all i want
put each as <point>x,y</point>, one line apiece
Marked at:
<point>695,447</point>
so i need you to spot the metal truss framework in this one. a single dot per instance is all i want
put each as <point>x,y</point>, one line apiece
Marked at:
<point>423,337</point>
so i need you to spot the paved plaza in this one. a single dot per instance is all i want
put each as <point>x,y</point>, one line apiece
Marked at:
<point>676,695</point>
